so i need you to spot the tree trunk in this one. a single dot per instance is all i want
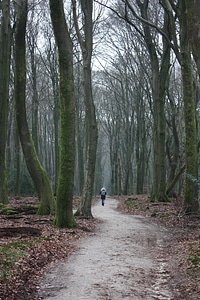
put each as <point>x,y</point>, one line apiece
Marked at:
<point>52,58</point>
<point>38,174</point>
<point>56,118</point>
<point>64,197</point>
<point>172,184</point>
<point>159,77</point>
<point>91,123</point>
<point>34,98</point>
<point>17,164</point>
<point>194,29</point>
<point>5,47</point>
<point>190,201</point>
<point>172,152</point>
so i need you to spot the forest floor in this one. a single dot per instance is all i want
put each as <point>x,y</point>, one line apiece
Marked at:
<point>159,258</point>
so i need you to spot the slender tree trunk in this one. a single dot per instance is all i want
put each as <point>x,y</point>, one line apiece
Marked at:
<point>175,180</point>
<point>173,157</point>
<point>5,37</point>
<point>80,160</point>
<point>38,174</point>
<point>34,98</point>
<point>64,197</point>
<point>140,147</point>
<point>80,130</point>
<point>52,57</point>
<point>17,164</point>
<point>91,123</point>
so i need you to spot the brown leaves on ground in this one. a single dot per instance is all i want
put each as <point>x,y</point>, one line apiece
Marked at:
<point>19,280</point>
<point>182,250</point>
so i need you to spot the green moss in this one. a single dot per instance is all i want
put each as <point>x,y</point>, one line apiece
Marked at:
<point>32,209</point>
<point>131,202</point>
<point>194,271</point>
<point>195,260</point>
<point>154,213</point>
<point>9,255</point>
<point>7,211</point>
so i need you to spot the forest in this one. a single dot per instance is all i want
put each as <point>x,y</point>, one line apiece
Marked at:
<point>99,93</point>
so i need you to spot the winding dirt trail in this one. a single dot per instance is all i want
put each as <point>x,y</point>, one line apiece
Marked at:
<point>124,259</point>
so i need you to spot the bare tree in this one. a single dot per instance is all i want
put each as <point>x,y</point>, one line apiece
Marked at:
<point>85,41</point>
<point>183,54</point>
<point>38,174</point>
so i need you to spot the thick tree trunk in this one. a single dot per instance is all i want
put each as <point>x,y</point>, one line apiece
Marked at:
<point>193,7</point>
<point>38,174</point>
<point>5,37</point>
<point>64,197</point>
<point>159,77</point>
<point>190,200</point>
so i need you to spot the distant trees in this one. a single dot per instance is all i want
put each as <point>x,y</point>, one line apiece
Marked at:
<point>127,76</point>
<point>158,27</point>
<point>160,64</point>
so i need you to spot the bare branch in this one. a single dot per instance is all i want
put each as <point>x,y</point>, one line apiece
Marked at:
<point>144,21</point>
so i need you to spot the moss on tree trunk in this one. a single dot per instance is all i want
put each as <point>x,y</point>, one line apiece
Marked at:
<point>190,202</point>
<point>64,214</point>
<point>5,37</point>
<point>38,174</point>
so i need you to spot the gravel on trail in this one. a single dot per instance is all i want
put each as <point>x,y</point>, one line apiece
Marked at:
<point>123,259</point>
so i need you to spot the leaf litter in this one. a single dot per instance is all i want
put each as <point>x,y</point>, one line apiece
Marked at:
<point>180,260</point>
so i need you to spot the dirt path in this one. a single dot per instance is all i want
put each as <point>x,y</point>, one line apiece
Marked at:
<point>124,259</point>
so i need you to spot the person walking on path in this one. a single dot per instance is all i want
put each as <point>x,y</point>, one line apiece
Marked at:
<point>103,195</point>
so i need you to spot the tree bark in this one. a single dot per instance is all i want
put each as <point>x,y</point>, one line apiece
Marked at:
<point>38,174</point>
<point>64,197</point>
<point>91,123</point>
<point>5,51</point>
<point>194,29</point>
<point>190,201</point>
<point>159,77</point>
<point>175,179</point>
